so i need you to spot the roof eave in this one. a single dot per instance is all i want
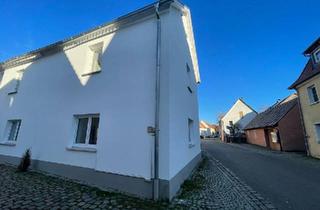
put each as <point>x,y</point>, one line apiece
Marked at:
<point>89,35</point>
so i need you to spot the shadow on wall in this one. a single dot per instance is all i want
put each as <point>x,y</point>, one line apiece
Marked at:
<point>46,86</point>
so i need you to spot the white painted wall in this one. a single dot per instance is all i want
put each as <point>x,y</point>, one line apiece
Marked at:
<point>53,90</point>
<point>233,115</point>
<point>182,104</point>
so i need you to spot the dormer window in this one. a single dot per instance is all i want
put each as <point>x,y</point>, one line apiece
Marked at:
<point>316,56</point>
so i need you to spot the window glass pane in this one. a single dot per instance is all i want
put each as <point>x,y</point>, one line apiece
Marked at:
<point>82,130</point>
<point>190,130</point>
<point>317,56</point>
<point>314,94</point>
<point>317,127</point>
<point>94,130</point>
<point>14,126</point>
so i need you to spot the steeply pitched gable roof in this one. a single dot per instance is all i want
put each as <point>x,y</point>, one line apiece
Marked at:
<point>309,71</point>
<point>274,114</point>
<point>243,102</point>
<point>312,47</point>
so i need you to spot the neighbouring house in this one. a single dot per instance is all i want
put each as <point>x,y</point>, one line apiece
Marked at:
<point>308,89</point>
<point>279,127</point>
<point>207,130</point>
<point>239,116</point>
<point>67,102</point>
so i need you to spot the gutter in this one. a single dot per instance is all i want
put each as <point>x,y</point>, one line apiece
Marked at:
<point>157,108</point>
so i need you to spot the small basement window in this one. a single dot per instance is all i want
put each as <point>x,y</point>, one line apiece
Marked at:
<point>87,129</point>
<point>12,130</point>
<point>313,95</point>
<point>317,129</point>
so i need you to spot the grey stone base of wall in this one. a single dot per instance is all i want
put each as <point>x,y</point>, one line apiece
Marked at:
<point>108,181</point>
<point>168,189</point>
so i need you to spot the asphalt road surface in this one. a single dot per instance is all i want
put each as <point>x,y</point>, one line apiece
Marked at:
<point>287,180</point>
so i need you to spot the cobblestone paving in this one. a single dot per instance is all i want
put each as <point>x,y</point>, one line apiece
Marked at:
<point>220,189</point>
<point>211,187</point>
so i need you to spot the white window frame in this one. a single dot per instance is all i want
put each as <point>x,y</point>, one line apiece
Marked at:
<point>189,86</point>
<point>315,58</point>
<point>18,78</point>
<point>9,129</point>
<point>311,96</point>
<point>191,132</point>
<point>95,59</point>
<point>274,137</point>
<point>87,139</point>
<point>317,132</point>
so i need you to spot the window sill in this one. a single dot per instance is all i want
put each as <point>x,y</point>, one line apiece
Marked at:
<point>316,102</point>
<point>12,93</point>
<point>90,73</point>
<point>191,145</point>
<point>82,149</point>
<point>8,143</point>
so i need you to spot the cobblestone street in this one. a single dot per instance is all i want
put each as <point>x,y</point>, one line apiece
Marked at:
<point>211,187</point>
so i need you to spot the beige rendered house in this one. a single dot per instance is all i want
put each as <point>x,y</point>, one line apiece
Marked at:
<point>308,88</point>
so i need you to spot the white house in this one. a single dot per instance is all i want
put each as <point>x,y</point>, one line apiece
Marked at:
<point>240,115</point>
<point>206,129</point>
<point>68,101</point>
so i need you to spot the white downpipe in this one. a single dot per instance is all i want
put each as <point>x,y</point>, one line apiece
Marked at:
<point>157,109</point>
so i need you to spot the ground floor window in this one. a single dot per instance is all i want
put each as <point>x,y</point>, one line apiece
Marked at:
<point>274,136</point>
<point>12,130</point>
<point>317,128</point>
<point>190,130</point>
<point>87,129</point>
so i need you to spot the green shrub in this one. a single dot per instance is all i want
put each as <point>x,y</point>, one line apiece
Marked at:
<point>25,161</point>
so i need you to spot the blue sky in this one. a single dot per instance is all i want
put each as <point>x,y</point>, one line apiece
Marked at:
<point>249,49</point>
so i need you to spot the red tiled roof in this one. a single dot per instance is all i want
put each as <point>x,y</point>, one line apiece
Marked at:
<point>309,71</point>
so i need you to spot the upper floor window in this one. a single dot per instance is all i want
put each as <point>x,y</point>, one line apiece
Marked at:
<point>190,89</point>
<point>87,129</point>
<point>12,130</point>
<point>316,56</point>
<point>1,76</point>
<point>313,95</point>
<point>95,59</point>
<point>16,83</point>
<point>241,114</point>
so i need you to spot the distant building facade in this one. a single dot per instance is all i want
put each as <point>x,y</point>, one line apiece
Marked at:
<point>308,89</point>
<point>279,127</point>
<point>207,129</point>
<point>239,115</point>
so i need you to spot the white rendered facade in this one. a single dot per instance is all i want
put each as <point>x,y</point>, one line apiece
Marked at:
<point>58,84</point>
